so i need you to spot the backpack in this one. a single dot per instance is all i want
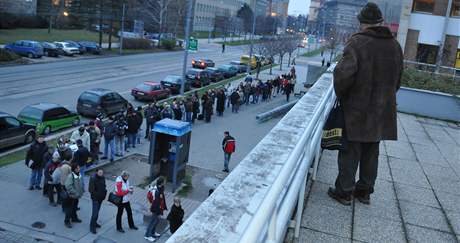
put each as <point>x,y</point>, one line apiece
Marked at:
<point>151,194</point>
<point>230,146</point>
<point>120,127</point>
<point>56,176</point>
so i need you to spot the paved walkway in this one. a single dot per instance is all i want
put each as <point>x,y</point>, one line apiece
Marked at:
<point>417,193</point>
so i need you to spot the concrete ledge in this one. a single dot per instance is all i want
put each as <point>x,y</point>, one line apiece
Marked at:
<point>278,111</point>
<point>428,103</point>
<point>226,214</point>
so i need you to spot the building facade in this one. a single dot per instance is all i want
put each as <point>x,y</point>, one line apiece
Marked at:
<point>19,7</point>
<point>429,31</point>
<point>205,12</point>
<point>338,16</point>
<point>312,25</point>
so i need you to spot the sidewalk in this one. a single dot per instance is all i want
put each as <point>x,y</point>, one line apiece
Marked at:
<point>417,192</point>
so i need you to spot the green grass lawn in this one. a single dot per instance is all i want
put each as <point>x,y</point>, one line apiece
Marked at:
<point>11,35</point>
<point>314,52</point>
<point>239,42</point>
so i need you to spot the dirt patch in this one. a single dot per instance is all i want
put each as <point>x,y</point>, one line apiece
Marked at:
<point>136,164</point>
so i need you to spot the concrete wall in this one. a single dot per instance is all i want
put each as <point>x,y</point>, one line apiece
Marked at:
<point>427,103</point>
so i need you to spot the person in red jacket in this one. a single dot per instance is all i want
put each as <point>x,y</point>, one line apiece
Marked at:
<point>123,189</point>
<point>228,145</point>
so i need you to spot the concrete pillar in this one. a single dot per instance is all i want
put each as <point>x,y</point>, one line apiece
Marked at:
<point>404,22</point>
<point>449,54</point>
<point>411,44</point>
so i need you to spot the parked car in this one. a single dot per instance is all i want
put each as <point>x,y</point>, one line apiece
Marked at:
<point>245,59</point>
<point>228,70</point>
<point>150,91</point>
<point>48,117</point>
<point>14,132</point>
<point>28,48</point>
<point>214,74</point>
<point>100,101</point>
<point>91,47</point>
<point>66,48</point>
<point>174,82</point>
<point>50,49</point>
<point>202,63</point>
<point>198,77</point>
<point>81,49</point>
<point>242,67</point>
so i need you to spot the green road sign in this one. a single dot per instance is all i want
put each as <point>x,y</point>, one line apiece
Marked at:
<point>193,44</point>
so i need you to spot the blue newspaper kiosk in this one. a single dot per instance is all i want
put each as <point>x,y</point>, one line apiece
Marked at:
<point>169,150</point>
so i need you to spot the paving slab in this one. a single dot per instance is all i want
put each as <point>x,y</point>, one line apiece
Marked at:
<point>373,229</point>
<point>381,208</point>
<point>417,195</point>
<point>424,216</point>
<point>418,234</point>
<point>449,201</point>
<point>308,235</point>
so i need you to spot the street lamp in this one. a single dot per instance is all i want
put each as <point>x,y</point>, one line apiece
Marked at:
<point>65,13</point>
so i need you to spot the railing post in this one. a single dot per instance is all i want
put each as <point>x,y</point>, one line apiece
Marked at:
<point>300,202</point>
<point>272,226</point>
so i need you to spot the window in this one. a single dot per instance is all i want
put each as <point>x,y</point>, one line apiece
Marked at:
<point>90,97</point>
<point>455,11</point>
<point>63,112</point>
<point>51,114</point>
<point>427,53</point>
<point>12,122</point>
<point>32,113</point>
<point>426,6</point>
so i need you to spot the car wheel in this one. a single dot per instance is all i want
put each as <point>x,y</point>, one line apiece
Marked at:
<point>76,122</point>
<point>30,55</point>
<point>47,130</point>
<point>29,138</point>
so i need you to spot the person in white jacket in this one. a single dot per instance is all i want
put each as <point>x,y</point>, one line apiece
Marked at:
<point>82,134</point>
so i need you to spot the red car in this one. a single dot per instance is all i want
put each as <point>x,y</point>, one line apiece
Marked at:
<point>150,91</point>
<point>202,63</point>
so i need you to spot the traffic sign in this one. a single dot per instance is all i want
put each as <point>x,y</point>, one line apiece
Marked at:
<point>193,44</point>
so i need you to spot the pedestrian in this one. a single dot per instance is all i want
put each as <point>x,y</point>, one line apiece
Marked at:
<point>124,190</point>
<point>367,95</point>
<point>228,146</point>
<point>95,141</point>
<point>322,62</point>
<point>140,119</point>
<point>109,139</point>
<point>247,92</point>
<point>62,173</point>
<point>151,116</point>
<point>220,106</point>
<point>51,183</point>
<point>120,132</point>
<point>82,157</point>
<point>287,90</point>
<point>196,108</point>
<point>209,109</point>
<point>74,189</point>
<point>157,200</point>
<point>177,111</point>
<point>167,112</point>
<point>98,192</point>
<point>235,100</point>
<point>34,160</point>
<point>81,134</point>
<point>175,216</point>
<point>62,147</point>
<point>188,109</point>
<point>223,47</point>
<point>134,123</point>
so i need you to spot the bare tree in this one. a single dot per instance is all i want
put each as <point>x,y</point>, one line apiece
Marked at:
<point>292,44</point>
<point>269,48</point>
<point>282,47</point>
<point>156,11</point>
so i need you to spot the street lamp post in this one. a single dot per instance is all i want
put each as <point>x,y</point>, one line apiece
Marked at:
<point>187,44</point>
<point>122,28</point>
<point>252,36</point>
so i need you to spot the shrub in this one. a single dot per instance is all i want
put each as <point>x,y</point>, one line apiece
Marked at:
<point>413,78</point>
<point>136,43</point>
<point>11,21</point>
<point>168,44</point>
<point>8,56</point>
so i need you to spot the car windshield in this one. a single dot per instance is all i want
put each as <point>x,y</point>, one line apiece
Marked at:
<point>90,97</point>
<point>172,79</point>
<point>32,112</point>
<point>68,45</point>
<point>49,45</point>
<point>144,87</point>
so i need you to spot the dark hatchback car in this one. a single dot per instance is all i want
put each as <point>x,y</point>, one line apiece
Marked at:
<point>91,47</point>
<point>150,91</point>
<point>202,63</point>
<point>214,74</point>
<point>198,77</point>
<point>173,83</point>
<point>240,66</point>
<point>100,101</point>
<point>14,132</point>
<point>228,70</point>
<point>48,117</point>
<point>50,49</point>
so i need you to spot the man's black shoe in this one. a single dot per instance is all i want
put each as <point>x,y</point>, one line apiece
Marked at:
<point>104,157</point>
<point>134,228</point>
<point>68,225</point>
<point>98,225</point>
<point>77,220</point>
<point>345,200</point>
<point>31,188</point>
<point>362,197</point>
<point>38,188</point>
<point>121,230</point>
<point>93,231</point>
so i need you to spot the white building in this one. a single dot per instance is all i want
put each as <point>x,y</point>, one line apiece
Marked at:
<point>206,11</point>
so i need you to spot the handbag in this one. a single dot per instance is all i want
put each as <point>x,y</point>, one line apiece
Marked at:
<point>63,194</point>
<point>116,200</point>
<point>334,134</point>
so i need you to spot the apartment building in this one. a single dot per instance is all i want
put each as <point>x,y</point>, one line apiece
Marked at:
<point>428,26</point>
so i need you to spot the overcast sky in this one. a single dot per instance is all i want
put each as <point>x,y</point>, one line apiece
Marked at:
<point>297,7</point>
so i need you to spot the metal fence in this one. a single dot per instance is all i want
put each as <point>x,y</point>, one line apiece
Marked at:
<point>454,73</point>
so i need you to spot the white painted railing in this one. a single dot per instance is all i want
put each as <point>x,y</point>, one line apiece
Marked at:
<point>255,203</point>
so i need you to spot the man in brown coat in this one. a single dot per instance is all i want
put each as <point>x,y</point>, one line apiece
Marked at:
<point>366,81</point>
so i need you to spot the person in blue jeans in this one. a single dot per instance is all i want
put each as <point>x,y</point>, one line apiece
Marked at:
<point>157,199</point>
<point>109,139</point>
<point>35,161</point>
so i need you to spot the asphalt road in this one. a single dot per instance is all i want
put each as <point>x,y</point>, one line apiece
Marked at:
<point>63,82</point>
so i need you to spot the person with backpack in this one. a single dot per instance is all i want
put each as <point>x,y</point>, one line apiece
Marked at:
<point>74,189</point>
<point>98,192</point>
<point>95,141</point>
<point>109,139</point>
<point>53,182</point>
<point>157,199</point>
<point>228,145</point>
<point>120,132</point>
<point>34,160</point>
<point>175,216</point>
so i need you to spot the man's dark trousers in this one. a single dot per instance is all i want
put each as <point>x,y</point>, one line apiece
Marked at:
<point>95,214</point>
<point>366,156</point>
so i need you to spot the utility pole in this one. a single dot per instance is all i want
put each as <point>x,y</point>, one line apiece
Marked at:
<point>252,36</point>
<point>122,29</point>
<point>187,43</point>
<point>101,6</point>
<point>443,37</point>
